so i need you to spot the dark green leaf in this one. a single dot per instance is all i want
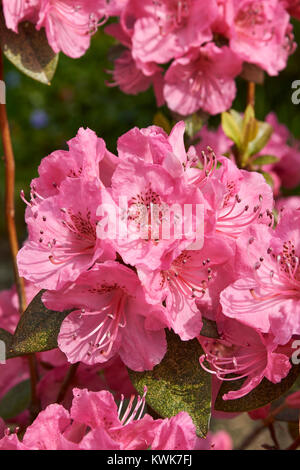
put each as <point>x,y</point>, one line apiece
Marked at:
<point>265,393</point>
<point>178,383</point>
<point>38,329</point>
<point>16,400</point>
<point>29,51</point>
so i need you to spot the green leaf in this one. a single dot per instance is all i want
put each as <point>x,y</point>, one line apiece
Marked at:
<point>16,400</point>
<point>263,136</point>
<point>265,393</point>
<point>265,160</point>
<point>38,329</point>
<point>29,51</point>
<point>268,178</point>
<point>231,128</point>
<point>193,124</point>
<point>162,121</point>
<point>178,383</point>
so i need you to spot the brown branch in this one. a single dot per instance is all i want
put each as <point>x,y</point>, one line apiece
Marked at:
<point>12,231</point>
<point>69,379</point>
<point>295,444</point>
<point>251,94</point>
<point>10,197</point>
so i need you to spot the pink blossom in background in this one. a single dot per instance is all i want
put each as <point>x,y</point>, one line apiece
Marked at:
<point>16,11</point>
<point>69,24</point>
<point>216,139</point>
<point>293,7</point>
<point>287,149</point>
<point>260,33</point>
<point>288,203</point>
<point>202,79</point>
<point>166,29</point>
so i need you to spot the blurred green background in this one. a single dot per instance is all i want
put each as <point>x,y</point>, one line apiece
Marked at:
<point>43,118</point>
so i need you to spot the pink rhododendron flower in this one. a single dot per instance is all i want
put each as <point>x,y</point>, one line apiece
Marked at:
<point>179,433</point>
<point>267,295</point>
<point>69,24</point>
<point>202,79</point>
<point>246,353</point>
<point>288,203</point>
<point>181,286</point>
<point>260,413</point>
<point>16,11</point>
<point>87,158</point>
<point>215,139</point>
<point>293,400</point>
<point>62,235</point>
<point>260,33</point>
<point>133,77</point>
<point>287,150</point>
<point>96,423</point>
<point>154,194</point>
<point>166,29</point>
<point>108,317</point>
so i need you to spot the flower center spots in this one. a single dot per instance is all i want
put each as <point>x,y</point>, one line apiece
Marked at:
<point>252,21</point>
<point>147,213</point>
<point>83,237</point>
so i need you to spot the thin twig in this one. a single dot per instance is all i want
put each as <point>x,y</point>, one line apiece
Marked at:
<point>67,382</point>
<point>266,424</point>
<point>251,94</point>
<point>12,231</point>
<point>10,197</point>
<point>295,444</point>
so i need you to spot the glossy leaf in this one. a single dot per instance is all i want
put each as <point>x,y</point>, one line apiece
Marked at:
<point>29,51</point>
<point>178,383</point>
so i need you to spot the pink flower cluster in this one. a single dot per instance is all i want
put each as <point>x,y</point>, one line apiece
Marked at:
<point>88,419</point>
<point>69,24</point>
<point>94,422</point>
<point>125,288</point>
<point>191,51</point>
